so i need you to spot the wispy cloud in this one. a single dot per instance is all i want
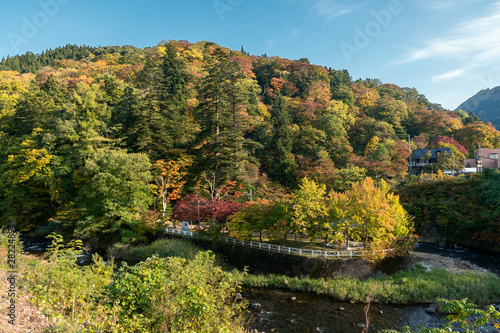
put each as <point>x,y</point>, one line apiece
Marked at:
<point>271,41</point>
<point>449,75</point>
<point>476,41</point>
<point>440,5</point>
<point>331,9</point>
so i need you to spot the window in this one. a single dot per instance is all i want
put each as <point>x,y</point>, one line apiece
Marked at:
<point>494,155</point>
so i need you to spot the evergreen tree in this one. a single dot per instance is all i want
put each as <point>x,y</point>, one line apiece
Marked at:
<point>160,119</point>
<point>283,166</point>
<point>223,119</point>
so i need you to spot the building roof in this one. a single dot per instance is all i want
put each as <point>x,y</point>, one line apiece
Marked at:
<point>485,152</point>
<point>419,154</point>
<point>470,163</point>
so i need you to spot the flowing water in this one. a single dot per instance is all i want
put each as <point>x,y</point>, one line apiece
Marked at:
<point>39,246</point>
<point>484,259</point>
<point>316,313</point>
<point>321,313</point>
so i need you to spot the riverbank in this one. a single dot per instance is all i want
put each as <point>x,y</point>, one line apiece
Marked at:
<point>430,261</point>
<point>416,286</point>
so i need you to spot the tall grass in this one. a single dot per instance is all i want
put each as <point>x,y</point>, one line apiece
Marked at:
<point>162,248</point>
<point>414,286</point>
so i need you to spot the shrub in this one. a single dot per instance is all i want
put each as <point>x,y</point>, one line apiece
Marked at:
<point>174,295</point>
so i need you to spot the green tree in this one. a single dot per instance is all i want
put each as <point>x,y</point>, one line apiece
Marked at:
<point>338,217</point>
<point>254,216</point>
<point>222,118</point>
<point>36,106</point>
<point>160,119</point>
<point>282,217</point>
<point>114,195</point>
<point>30,190</point>
<point>347,177</point>
<point>282,166</point>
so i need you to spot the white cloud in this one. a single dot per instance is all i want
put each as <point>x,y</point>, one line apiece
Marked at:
<point>294,33</point>
<point>476,41</point>
<point>448,75</point>
<point>331,9</point>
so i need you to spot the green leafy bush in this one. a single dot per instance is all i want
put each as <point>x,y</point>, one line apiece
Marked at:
<point>175,295</point>
<point>467,316</point>
<point>71,294</point>
<point>158,295</point>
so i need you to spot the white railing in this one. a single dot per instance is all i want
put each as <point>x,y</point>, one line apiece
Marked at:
<point>284,249</point>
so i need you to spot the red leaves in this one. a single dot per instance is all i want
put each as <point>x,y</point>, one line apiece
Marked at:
<point>449,140</point>
<point>193,207</point>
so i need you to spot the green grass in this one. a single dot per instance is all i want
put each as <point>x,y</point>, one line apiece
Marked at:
<point>410,287</point>
<point>163,248</point>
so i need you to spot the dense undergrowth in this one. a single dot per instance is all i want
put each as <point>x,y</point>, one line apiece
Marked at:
<point>156,295</point>
<point>465,210</point>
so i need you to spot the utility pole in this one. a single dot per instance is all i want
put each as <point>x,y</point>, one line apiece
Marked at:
<point>409,156</point>
<point>453,154</point>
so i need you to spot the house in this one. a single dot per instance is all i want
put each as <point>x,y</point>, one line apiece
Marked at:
<point>485,158</point>
<point>424,157</point>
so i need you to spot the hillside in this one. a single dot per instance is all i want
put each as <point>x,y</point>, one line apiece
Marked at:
<point>486,105</point>
<point>92,140</point>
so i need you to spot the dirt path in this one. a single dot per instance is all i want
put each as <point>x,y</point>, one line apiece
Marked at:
<point>28,317</point>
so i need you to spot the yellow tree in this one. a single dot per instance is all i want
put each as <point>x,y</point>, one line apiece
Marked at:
<point>310,210</point>
<point>380,217</point>
<point>168,178</point>
<point>372,146</point>
<point>338,217</point>
<point>30,191</point>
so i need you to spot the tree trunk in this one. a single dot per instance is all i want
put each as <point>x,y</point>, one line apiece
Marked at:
<point>164,202</point>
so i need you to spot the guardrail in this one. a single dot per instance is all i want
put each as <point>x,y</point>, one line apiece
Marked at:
<point>284,249</point>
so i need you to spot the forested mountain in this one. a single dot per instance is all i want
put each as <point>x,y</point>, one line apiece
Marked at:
<point>486,105</point>
<point>93,139</point>
<point>31,63</point>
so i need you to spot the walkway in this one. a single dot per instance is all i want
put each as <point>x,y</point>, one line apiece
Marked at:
<point>283,249</point>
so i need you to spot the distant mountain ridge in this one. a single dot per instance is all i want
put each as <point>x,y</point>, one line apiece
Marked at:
<point>486,105</point>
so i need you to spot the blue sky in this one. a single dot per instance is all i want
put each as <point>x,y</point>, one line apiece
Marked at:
<point>446,49</point>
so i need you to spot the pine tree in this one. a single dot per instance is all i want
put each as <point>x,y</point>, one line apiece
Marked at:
<point>160,118</point>
<point>222,118</point>
<point>283,166</point>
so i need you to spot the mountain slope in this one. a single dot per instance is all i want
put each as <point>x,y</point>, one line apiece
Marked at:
<point>486,105</point>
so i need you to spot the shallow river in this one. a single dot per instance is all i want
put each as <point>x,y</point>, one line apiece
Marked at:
<point>314,313</point>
